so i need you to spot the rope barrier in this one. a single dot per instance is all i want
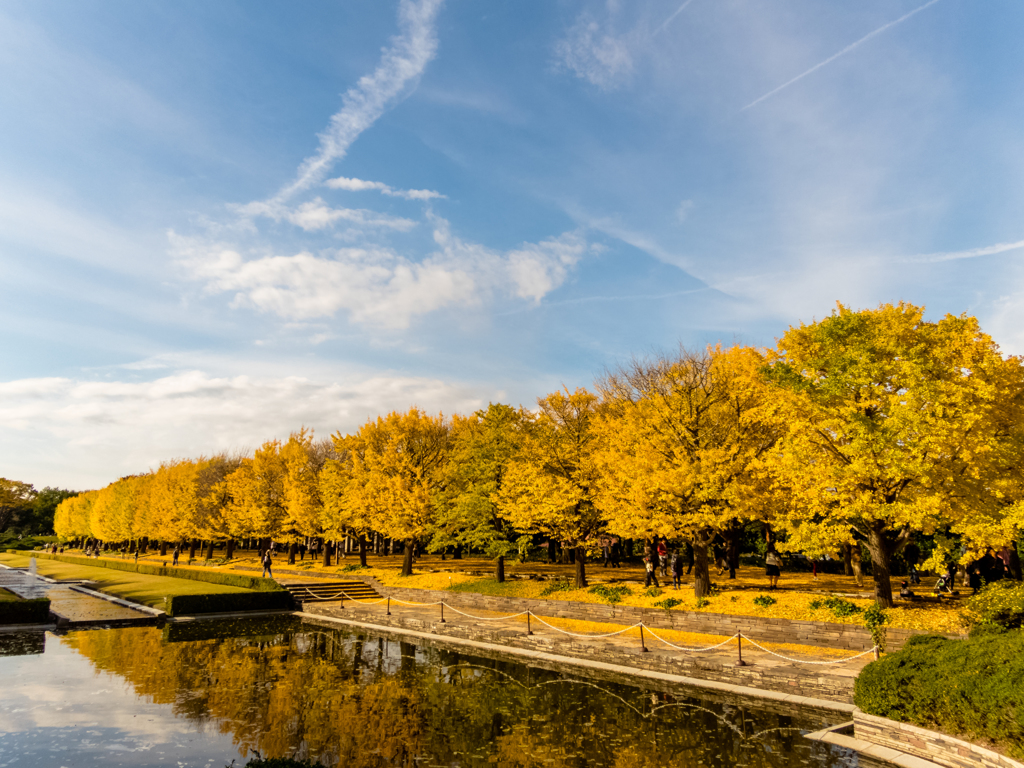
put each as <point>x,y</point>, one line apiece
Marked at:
<point>528,613</point>
<point>485,618</point>
<point>346,596</point>
<point>805,661</point>
<point>590,637</point>
<point>690,650</point>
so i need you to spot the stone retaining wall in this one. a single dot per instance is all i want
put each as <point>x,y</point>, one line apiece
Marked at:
<point>929,745</point>
<point>790,679</point>
<point>762,629</point>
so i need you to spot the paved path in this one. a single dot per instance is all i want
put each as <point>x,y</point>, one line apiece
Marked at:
<point>76,607</point>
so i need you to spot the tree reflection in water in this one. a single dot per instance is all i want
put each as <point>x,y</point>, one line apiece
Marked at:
<point>340,697</point>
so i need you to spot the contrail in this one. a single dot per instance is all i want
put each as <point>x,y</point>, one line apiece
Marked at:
<point>668,21</point>
<point>973,253</point>
<point>845,50</point>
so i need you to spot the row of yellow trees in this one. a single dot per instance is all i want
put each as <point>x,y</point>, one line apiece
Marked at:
<point>867,426</point>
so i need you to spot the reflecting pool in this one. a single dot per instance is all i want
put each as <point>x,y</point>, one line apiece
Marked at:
<point>207,693</point>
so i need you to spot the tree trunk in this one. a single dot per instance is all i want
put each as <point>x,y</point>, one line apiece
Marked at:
<point>362,549</point>
<point>144,545</point>
<point>881,554</point>
<point>732,535</point>
<point>292,549</point>
<point>858,572</point>
<point>230,551</point>
<point>847,559</point>
<point>163,548</point>
<point>457,553</point>
<point>1015,569</point>
<point>209,550</point>
<point>552,551</point>
<point>701,574</point>
<point>499,570</point>
<point>407,560</point>
<point>192,545</point>
<point>327,552</point>
<point>581,568</point>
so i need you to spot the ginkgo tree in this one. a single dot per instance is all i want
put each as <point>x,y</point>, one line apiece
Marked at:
<point>466,510</point>
<point>896,424</point>
<point>393,468</point>
<point>682,438</point>
<point>550,487</point>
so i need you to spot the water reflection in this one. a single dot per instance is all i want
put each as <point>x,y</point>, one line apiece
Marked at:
<point>286,688</point>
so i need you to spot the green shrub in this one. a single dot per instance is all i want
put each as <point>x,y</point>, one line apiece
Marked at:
<point>610,594</point>
<point>653,592</point>
<point>229,602</point>
<point>561,585</point>
<point>25,611</point>
<point>1000,603</point>
<point>668,602</point>
<point>875,620</point>
<point>838,605</point>
<point>973,687</point>
<point>765,601</point>
<point>703,602</point>
<point>354,567</point>
<point>210,577</point>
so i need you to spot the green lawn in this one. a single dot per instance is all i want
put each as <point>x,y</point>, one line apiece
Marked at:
<point>7,597</point>
<point>140,587</point>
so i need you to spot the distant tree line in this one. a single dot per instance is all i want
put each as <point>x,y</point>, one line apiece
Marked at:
<point>866,428</point>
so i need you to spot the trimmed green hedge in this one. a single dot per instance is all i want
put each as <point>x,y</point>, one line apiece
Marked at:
<point>25,611</point>
<point>973,687</point>
<point>229,602</point>
<point>210,577</point>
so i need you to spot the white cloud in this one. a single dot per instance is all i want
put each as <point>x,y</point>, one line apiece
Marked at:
<point>376,286</point>
<point>401,65</point>
<point>972,253</point>
<point>358,185</point>
<point>87,433</point>
<point>835,56</point>
<point>594,53</point>
<point>315,214</point>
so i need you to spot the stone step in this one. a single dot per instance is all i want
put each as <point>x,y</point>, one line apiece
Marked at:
<point>331,590</point>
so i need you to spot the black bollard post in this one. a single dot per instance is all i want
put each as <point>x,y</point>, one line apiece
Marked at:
<point>389,605</point>
<point>528,630</point>
<point>643,647</point>
<point>739,650</point>
<point>442,612</point>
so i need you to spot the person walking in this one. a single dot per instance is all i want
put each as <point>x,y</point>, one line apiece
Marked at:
<point>268,561</point>
<point>177,554</point>
<point>650,577</point>
<point>772,567</point>
<point>663,557</point>
<point>677,569</point>
<point>616,553</point>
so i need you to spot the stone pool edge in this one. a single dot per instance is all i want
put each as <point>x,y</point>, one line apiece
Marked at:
<point>880,741</point>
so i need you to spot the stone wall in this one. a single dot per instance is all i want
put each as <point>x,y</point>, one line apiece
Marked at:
<point>762,629</point>
<point>789,679</point>
<point>929,745</point>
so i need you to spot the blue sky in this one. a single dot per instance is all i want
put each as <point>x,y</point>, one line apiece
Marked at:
<point>222,221</point>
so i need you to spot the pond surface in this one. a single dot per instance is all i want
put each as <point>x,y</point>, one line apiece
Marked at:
<point>208,693</point>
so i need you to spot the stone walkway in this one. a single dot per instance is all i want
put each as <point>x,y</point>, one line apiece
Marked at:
<point>78,608</point>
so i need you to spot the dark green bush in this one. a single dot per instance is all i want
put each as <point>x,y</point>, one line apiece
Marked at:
<point>279,762</point>
<point>838,605</point>
<point>25,611</point>
<point>229,602</point>
<point>668,602</point>
<point>610,594</point>
<point>210,577</point>
<point>557,586</point>
<point>973,687</point>
<point>652,592</point>
<point>765,601</point>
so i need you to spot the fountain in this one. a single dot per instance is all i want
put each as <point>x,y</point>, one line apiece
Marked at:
<point>32,566</point>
